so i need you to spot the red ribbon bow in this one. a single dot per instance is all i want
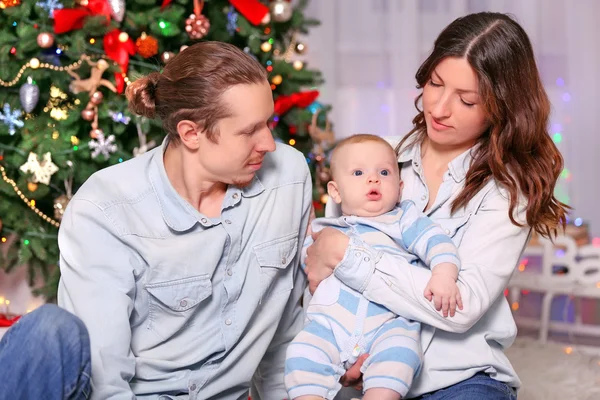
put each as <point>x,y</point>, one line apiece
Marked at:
<point>283,103</point>
<point>7,321</point>
<point>119,52</point>
<point>68,19</point>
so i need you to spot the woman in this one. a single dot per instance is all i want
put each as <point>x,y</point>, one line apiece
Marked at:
<point>479,161</point>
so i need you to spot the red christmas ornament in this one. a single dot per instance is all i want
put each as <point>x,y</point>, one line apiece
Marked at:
<point>147,46</point>
<point>9,3</point>
<point>197,25</point>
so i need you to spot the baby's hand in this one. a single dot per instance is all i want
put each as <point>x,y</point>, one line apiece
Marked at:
<point>443,290</point>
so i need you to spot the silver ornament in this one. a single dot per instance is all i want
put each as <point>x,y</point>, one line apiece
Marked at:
<point>29,94</point>
<point>117,9</point>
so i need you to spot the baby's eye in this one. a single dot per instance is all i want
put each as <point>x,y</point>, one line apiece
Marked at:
<point>358,172</point>
<point>385,172</point>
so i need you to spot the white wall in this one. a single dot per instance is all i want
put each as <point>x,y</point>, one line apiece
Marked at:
<point>369,51</point>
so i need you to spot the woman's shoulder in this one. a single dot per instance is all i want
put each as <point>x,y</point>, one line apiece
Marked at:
<point>494,196</point>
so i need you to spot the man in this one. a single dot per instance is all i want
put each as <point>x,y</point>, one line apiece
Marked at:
<point>183,263</point>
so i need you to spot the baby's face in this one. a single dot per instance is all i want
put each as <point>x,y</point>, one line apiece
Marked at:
<point>367,181</point>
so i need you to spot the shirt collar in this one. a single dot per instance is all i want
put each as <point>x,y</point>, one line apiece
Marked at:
<point>177,213</point>
<point>458,167</point>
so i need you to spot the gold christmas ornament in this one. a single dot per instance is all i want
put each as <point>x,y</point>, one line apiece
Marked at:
<point>298,65</point>
<point>32,186</point>
<point>276,80</point>
<point>266,47</point>
<point>34,63</point>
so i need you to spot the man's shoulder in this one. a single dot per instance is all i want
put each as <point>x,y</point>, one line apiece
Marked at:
<point>117,183</point>
<point>283,166</point>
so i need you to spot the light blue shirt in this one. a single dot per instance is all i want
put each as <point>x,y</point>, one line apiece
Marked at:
<point>489,246</point>
<point>176,302</point>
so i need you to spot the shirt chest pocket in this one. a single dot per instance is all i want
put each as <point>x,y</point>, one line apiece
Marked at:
<point>455,226</point>
<point>275,261</point>
<point>172,304</point>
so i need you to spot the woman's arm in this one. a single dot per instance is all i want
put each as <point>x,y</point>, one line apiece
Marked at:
<point>490,249</point>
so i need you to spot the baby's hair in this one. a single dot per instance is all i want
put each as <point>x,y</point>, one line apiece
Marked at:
<point>355,139</point>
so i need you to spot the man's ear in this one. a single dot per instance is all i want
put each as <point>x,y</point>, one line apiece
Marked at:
<point>333,192</point>
<point>189,132</point>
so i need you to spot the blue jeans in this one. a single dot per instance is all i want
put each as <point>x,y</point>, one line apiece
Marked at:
<point>478,387</point>
<point>45,355</point>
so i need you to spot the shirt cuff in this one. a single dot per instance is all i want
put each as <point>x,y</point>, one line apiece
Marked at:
<point>445,258</point>
<point>358,265</point>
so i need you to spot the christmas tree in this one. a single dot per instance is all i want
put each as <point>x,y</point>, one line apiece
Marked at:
<point>63,115</point>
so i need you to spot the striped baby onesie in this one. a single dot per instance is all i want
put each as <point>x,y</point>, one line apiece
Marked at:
<point>341,324</point>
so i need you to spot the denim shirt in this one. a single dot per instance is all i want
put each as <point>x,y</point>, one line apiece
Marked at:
<point>179,305</point>
<point>489,245</point>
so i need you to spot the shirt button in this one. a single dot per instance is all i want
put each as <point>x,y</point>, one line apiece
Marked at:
<point>235,196</point>
<point>183,303</point>
<point>423,197</point>
<point>357,254</point>
<point>204,220</point>
<point>447,231</point>
<point>229,272</point>
<point>227,221</point>
<point>283,260</point>
<point>193,387</point>
<point>228,322</point>
<point>367,259</point>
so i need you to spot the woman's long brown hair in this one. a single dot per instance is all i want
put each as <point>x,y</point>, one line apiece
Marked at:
<point>516,150</point>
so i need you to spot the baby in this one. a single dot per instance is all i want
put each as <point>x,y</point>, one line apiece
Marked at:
<point>341,323</point>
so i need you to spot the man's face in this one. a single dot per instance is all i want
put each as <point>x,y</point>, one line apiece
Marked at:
<point>243,139</point>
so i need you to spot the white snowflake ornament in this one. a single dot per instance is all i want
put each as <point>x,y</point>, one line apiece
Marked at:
<point>42,172</point>
<point>11,118</point>
<point>103,145</point>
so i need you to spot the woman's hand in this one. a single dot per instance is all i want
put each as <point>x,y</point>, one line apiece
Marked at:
<point>324,255</point>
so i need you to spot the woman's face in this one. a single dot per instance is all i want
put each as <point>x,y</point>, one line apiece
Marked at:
<point>453,109</point>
